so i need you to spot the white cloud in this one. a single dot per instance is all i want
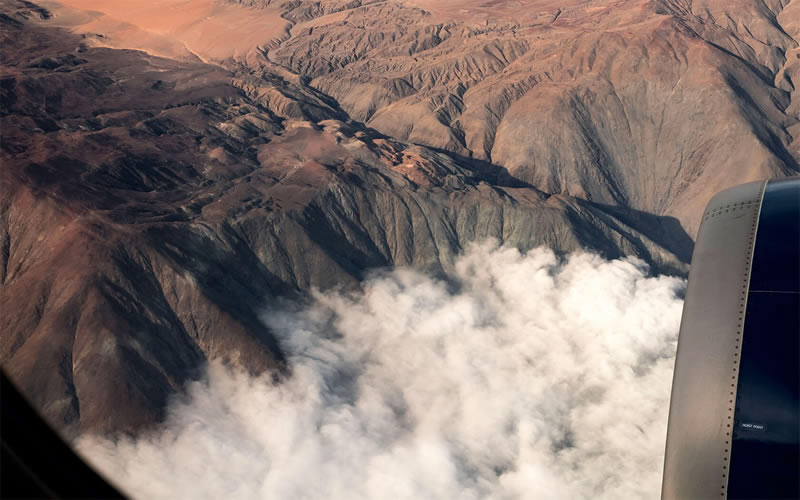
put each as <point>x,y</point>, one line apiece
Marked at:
<point>526,377</point>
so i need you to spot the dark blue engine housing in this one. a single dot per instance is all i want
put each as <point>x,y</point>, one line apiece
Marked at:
<point>734,424</point>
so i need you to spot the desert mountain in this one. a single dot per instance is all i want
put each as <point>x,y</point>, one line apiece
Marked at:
<point>646,104</point>
<point>170,169</point>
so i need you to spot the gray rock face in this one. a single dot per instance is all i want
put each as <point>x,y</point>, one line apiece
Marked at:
<point>151,208</point>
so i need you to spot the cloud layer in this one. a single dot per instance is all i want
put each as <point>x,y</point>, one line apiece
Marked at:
<point>523,377</point>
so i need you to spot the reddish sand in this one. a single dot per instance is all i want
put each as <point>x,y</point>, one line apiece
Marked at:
<point>207,29</point>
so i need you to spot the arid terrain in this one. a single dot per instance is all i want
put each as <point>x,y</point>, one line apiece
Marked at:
<point>169,169</point>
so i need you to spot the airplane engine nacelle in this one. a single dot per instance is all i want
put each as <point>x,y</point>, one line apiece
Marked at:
<point>734,418</point>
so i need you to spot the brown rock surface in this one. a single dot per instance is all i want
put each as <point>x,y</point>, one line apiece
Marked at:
<point>652,105</point>
<point>153,203</point>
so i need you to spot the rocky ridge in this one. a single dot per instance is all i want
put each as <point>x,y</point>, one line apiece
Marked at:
<point>153,207</point>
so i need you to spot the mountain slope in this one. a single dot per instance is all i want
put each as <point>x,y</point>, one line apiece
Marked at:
<point>154,207</point>
<point>171,169</point>
<point>654,105</point>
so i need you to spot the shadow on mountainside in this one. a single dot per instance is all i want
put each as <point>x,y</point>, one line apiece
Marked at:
<point>663,230</point>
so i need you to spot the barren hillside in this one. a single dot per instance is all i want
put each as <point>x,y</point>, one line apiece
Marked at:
<point>168,169</point>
